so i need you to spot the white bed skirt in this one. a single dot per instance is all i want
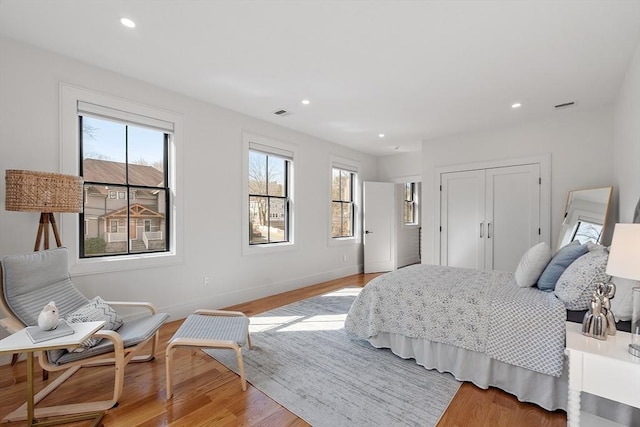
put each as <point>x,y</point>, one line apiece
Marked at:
<point>528,386</point>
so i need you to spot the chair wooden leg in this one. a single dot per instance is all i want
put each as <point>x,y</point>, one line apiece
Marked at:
<point>240,362</point>
<point>169,370</point>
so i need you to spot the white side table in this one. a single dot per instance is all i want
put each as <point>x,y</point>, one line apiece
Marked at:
<point>603,368</point>
<point>21,343</point>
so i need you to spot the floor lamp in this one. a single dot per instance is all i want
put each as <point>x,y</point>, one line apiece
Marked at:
<point>44,192</point>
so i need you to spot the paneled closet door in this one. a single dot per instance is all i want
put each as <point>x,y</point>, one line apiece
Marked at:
<point>462,236</point>
<point>512,214</point>
<point>489,217</point>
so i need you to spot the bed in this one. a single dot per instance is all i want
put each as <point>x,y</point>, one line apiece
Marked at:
<point>482,327</point>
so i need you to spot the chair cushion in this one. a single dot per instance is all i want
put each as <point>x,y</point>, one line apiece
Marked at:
<point>32,280</point>
<point>132,332</point>
<point>29,272</point>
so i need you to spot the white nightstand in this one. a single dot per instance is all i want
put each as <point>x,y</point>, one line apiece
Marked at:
<point>604,368</point>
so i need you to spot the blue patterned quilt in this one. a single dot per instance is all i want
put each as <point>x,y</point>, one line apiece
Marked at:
<point>479,310</point>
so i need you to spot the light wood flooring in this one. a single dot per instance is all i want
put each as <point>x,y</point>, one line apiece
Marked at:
<point>208,394</point>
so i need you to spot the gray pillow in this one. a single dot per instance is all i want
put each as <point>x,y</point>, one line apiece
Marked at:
<point>95,310</point>
<point>532,264</point>
<point>576,285</point>
<point>558,264</point>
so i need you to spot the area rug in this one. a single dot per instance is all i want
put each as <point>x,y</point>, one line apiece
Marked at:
<point>303,359</point>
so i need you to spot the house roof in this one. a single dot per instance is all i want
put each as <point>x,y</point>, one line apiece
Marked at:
<point>95,170</point>
<point>135,211</point>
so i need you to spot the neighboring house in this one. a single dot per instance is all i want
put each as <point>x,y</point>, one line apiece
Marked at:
<point>109,210</point>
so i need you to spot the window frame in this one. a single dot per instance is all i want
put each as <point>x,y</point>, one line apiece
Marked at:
<point>285,199</point>
<point>70,97</point>
<point>274,146</point>
<point>124,188</point>
<point>413,201</point>
<point>339,162</point>
<point>350,202</point>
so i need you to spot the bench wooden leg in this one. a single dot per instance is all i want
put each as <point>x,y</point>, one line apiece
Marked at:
<point>240,362</point>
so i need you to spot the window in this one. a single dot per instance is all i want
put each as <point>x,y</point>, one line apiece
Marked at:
<point>342,203</point>
<point>119,158</point>
<point>409,204</point>
<point>76,102</point>
<point>269,184</point>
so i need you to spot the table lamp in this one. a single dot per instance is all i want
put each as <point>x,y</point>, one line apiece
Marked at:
<point>624,262</point>
<point>44,192</point>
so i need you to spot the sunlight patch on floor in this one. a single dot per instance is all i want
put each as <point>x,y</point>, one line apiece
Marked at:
<point>325,322</point>
<point>351,292</point>
<point>265,323</point>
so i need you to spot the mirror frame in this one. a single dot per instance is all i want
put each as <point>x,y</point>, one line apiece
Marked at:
<point>566,228</point>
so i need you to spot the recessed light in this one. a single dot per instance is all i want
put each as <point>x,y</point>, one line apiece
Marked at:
<point>516,105</point>
<point>306,102</point>
<point>381,135</point>
<point>128,23</point>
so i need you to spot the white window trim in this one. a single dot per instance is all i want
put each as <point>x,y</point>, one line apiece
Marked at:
<point>70,96</point>
<point>354,166</point>
<point>247,249</point>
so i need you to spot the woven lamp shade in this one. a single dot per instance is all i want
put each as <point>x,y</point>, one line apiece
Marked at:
<point>43,192</point>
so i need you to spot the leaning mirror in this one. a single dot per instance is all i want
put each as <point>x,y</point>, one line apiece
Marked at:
<point>585,215</point>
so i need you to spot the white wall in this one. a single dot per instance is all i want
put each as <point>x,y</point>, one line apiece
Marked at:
<point>29,133</point>
<point>402,167</point>
<point>626,146</point>
<point>580,144</point>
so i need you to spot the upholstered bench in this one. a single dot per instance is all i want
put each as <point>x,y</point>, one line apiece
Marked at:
<point>210,329</point>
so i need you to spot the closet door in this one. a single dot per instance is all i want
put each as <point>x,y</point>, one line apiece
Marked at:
<point>489,217</point>
<point>512,214</point>
<point>462,219</point>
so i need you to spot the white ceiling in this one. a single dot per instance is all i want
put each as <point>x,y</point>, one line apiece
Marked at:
<point>412,70</point>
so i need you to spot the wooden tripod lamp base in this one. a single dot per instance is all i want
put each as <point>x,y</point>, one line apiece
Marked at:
<point>46,219</point>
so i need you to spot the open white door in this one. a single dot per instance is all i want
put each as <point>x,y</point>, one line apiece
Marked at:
<point>379,227</point>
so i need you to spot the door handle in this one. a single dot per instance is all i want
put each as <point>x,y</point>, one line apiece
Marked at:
<point>368,232</point>
<point>488,230</point>
<point>481,230</point>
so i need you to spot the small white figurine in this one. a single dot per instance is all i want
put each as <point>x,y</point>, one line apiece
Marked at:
<point>48,317</point>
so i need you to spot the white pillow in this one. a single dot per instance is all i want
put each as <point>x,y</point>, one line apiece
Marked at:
<point>532,264</point>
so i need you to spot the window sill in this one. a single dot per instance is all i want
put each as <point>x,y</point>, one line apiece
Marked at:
<point>343,241</point>
<point>267,248</point>
<point>86,266</point>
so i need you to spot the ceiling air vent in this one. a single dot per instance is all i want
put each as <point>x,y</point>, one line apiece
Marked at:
<point>565,105</point>
<point>281,113</point>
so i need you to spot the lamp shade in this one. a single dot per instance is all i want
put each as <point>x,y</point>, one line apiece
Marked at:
<point>624,256</point>
<point>42,192</point>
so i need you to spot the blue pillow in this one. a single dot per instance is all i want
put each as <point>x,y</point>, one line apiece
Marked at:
<point>558,264</point>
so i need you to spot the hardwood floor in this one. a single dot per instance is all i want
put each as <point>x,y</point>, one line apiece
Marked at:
<point>208,394</point>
